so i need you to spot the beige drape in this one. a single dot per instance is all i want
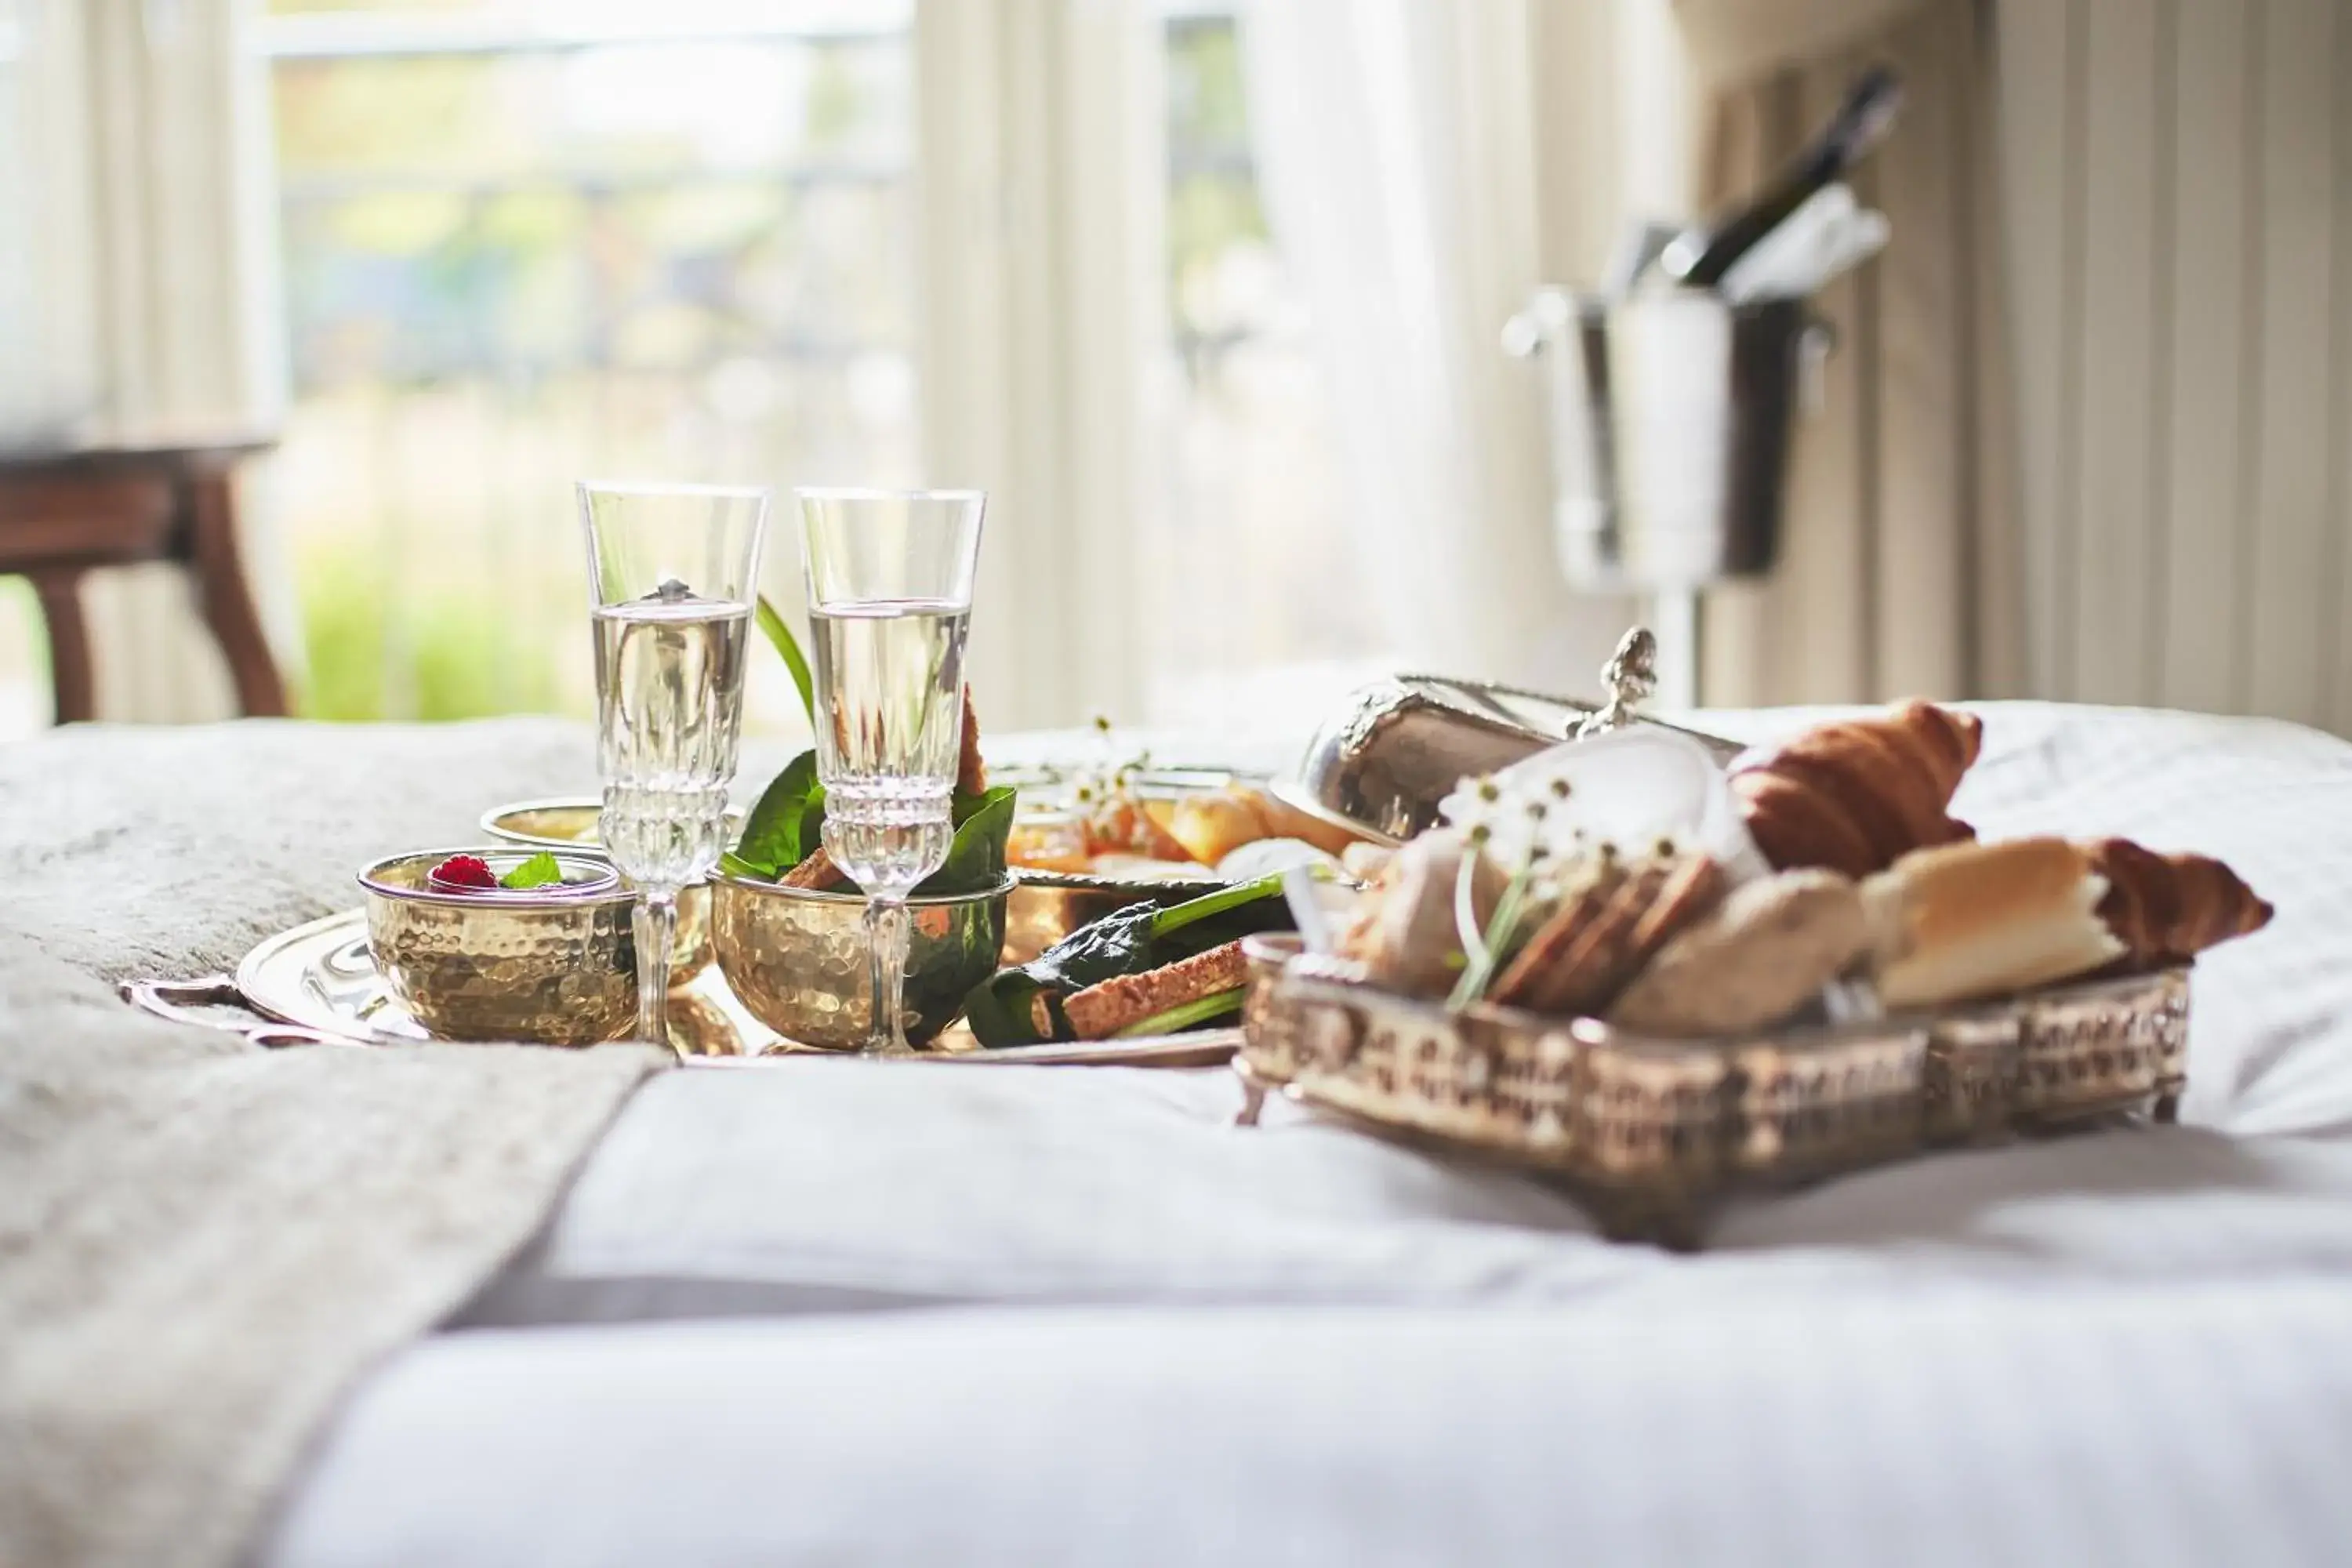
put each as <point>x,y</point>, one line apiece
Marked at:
<point>1899,570</point>
<point>1040,279</point>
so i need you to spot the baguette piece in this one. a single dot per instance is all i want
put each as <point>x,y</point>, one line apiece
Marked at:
<point>1970,921</point>
<point>1099,1012</point>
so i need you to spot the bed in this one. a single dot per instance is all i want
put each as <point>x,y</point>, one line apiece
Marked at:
<point>847,1313</point>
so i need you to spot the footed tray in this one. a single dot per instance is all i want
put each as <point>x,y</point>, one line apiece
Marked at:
<point>1648,1132</point>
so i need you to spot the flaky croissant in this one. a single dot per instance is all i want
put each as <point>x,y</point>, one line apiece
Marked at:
<point>1855,796</point>
<point>2168,908</point>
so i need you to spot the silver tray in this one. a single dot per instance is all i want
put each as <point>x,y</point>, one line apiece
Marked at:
<point>317,984</point>
<point>1648,1132</point>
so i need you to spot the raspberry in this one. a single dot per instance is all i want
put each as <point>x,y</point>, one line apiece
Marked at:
<point>465,872</point>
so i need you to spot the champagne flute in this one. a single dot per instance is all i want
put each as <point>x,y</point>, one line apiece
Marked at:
<point>672,570</point>
<point>889,594</point>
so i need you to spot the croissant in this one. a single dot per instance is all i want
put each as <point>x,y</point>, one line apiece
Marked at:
<point>1855,796</point>
<point>2168,908</point>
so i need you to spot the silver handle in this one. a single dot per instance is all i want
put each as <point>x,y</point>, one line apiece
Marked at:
<point>172,999</point>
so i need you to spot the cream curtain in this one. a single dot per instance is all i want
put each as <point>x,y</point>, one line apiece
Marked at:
<point>141,169</point>
<point>1043,183</point>
<point>1426,164</point>
<point>1900,571</point>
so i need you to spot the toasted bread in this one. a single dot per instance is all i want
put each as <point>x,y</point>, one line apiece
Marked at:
<point>817,874</point>
<point>1101,1011</point>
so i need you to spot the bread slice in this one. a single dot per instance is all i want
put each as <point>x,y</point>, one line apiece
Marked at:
<point>1969,920</point>
<point>1606,933</point>
<point>817,873</point>
<point>1099,1012</point>
<point>972,768</point>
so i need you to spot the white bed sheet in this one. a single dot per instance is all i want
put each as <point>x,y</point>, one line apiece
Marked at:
<point>2127,1345</point>
<point>1961,1425</point>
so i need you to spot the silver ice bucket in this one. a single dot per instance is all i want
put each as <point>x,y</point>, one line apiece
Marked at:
<point>1671,414</point>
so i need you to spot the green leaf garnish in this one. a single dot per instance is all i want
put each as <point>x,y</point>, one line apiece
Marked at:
<point>734,865</point>
<point>780,636</point>
<point>976,860</point>
<point>785,824</point>
<point>536,872</point>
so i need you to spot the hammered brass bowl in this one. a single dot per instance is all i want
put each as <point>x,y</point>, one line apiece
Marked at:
<point>571,823</point>
<point>796,959</point>
<point>551,966</point>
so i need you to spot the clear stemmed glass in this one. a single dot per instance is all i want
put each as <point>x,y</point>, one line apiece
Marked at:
<point>889,596</point>
<point>672,570</point>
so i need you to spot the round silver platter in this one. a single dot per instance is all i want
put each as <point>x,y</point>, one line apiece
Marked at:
<point>320,976</point>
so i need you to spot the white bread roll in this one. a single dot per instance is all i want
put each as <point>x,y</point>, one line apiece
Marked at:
<point>1404,931</point>
<point>1967,921</point>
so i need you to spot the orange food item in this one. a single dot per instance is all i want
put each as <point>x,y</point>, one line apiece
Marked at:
<point>1211,826</point>
<point>1122,826</point>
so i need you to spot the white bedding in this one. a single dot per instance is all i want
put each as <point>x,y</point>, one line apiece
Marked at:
<point>1145,1336</point>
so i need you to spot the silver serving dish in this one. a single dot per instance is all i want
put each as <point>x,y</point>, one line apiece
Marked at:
<point>1383,763</point>
<point>1649,1131</point>
<point>317,984</point>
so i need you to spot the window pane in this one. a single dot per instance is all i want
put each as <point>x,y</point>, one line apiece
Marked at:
<point>515,260</point>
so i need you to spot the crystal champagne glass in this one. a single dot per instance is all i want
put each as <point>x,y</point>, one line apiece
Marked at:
<point>672,574</point>
<point>889,594</point>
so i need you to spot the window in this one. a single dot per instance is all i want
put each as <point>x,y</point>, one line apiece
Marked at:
<point>537,240</point>
<point>526,241</point>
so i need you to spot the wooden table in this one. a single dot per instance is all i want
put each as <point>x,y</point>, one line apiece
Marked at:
<point>65,510</point>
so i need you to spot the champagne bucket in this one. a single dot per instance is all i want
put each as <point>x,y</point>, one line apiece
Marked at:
<point>1670,414</point>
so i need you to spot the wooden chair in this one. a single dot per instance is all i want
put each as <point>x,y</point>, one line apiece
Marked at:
<point>65,511</point>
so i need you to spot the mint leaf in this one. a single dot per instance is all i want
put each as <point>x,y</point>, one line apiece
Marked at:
<point>780,635</point>
<point>536,872</point>
<point>785,823</point>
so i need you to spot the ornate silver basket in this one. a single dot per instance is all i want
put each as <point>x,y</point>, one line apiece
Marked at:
<point>1649,1131</point>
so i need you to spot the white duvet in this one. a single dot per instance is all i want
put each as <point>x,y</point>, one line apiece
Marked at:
<point>843,1312</point>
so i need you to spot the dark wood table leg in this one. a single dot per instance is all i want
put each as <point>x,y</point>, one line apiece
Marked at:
<point>71,677</point>
<point>228,602</point>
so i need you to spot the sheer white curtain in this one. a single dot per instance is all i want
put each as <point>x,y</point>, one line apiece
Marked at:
<point>1426,164</point>
<point>1044,195</point>
<point>136,170</point>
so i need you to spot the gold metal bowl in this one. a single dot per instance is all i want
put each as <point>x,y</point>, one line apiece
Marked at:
<point>796,959</point>
<point>547,965</point>
<point>569,823</point>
